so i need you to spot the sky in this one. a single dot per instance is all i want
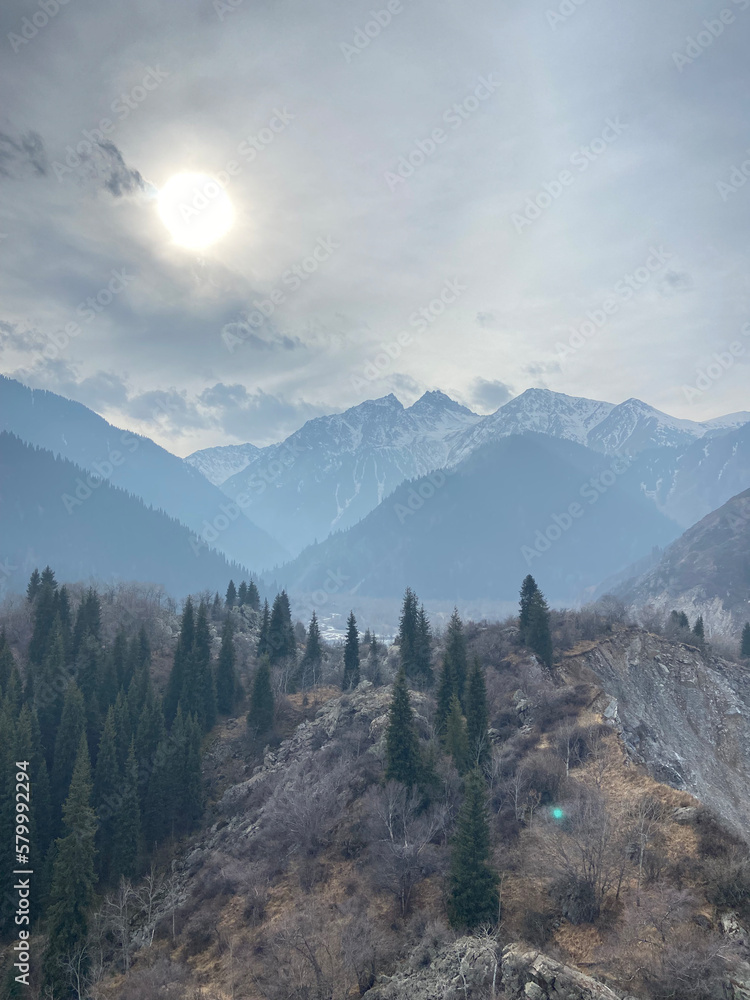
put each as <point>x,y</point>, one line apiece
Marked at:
<point>478,198</point>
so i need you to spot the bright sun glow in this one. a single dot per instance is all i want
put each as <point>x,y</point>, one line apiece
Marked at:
<point>196,210</point>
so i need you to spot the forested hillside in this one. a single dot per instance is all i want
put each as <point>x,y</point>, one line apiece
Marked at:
<point>224,805</point>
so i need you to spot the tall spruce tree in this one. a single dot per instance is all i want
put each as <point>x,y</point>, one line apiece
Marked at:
<point>150,733</point>
<point>423,658</point>
<point>477,717</point>
<point>351,654</point>
<point>528,589</point>
<point>699,629</point>
<point>263,648</point>
<point>253,597</point>
<point>456,737</point>
<point>231,596</point>
<point>68,741</point>
<point>282,644</point>
<point>198,695</point>
<point>127,833</point>
<point>745,642</point>
<point>407,633</point>
<point>73,879</point>
<point>312,658</point>
<point>180,665</point>
<point>455,652</point>
<point>226,673</point>
<point>242,594</point>
<point>403,757</point>
<point>472,884</point>
<point>260,718</point>
<point>538,629</point>
<point>106,794</point>
<point>445,690</point>
<point>33,588</point>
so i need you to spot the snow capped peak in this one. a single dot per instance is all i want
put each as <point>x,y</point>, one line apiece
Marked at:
<point>436,401</point>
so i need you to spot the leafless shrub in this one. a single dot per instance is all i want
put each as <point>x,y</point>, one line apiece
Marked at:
<point>404,841</point>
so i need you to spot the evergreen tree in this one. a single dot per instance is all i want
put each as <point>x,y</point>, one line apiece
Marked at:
<point>242,594</point>
<point>73,878</point>
<point>182,654</point>
<point>63,612</point>
<point>216,607</point>
<point>351,654</point>
<point>472,885</point>
<point>226,674</point>
<point>281,640</point>
<point>407,633</point>
<point>745,643</point>
<point>231,597</point>
<point>261,715</point>
<point>127,832</point>
<point>123,727</point>
<point>423,658</point>
<point>7,662</point>
<point>88,620</point>
<point>699,630</point>
<point>150,733</point>
<point>68,741</point>
<point>49,689</point>
<point>455,652</point>
<point>445,691</point>
<point>477,717</point>
<point>538,631</point>
<point>253,597</point>
<point>174,797</point>
<point>198,695</point>
<point>403,758</point>
<point>105,795</point>
<point>88,677</point>
<point>33,588</point>
<point>528,589</point>
<point>456,738</point>
<point>313,655</point>
<point>44,618</point>
<point>265,626</point>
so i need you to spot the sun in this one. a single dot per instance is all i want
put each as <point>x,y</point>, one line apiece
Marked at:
<point>196,210</point>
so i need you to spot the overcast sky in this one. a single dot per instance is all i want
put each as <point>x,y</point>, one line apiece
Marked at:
<point>184,85</point>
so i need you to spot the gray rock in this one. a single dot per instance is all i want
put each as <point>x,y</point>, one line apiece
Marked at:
<point>530,975</point>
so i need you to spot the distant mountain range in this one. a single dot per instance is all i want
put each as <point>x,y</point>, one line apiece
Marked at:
<point>357,490</point>
<point>335,470</point>
<point>57,513</point>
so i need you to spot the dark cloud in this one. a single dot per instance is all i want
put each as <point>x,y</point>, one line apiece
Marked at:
<point>489,396</point>
<point>23,155</point>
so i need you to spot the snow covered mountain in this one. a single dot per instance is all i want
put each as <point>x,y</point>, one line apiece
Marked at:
<point>221,463</point>
<point>336,469</point>
<point>628,428</point>
<point>538,410</point>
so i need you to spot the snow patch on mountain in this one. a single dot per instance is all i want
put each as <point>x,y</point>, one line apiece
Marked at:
<point>219,464</point>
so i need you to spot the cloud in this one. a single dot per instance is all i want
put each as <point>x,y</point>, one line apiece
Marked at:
<point>489,396</point>
<point>23,155</point>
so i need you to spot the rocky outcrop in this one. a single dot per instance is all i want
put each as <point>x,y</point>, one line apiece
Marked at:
<point>472,967</point>
<point>463,970</point>
<point>682,712</point>
<point>530,975</point>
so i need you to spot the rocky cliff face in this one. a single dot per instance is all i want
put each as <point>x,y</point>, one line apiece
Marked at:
<point>684,713</point>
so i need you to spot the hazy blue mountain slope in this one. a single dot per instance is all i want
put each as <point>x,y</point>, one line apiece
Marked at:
<point>160,479</point>
<point>52,511</point>
<point>503,512</point>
